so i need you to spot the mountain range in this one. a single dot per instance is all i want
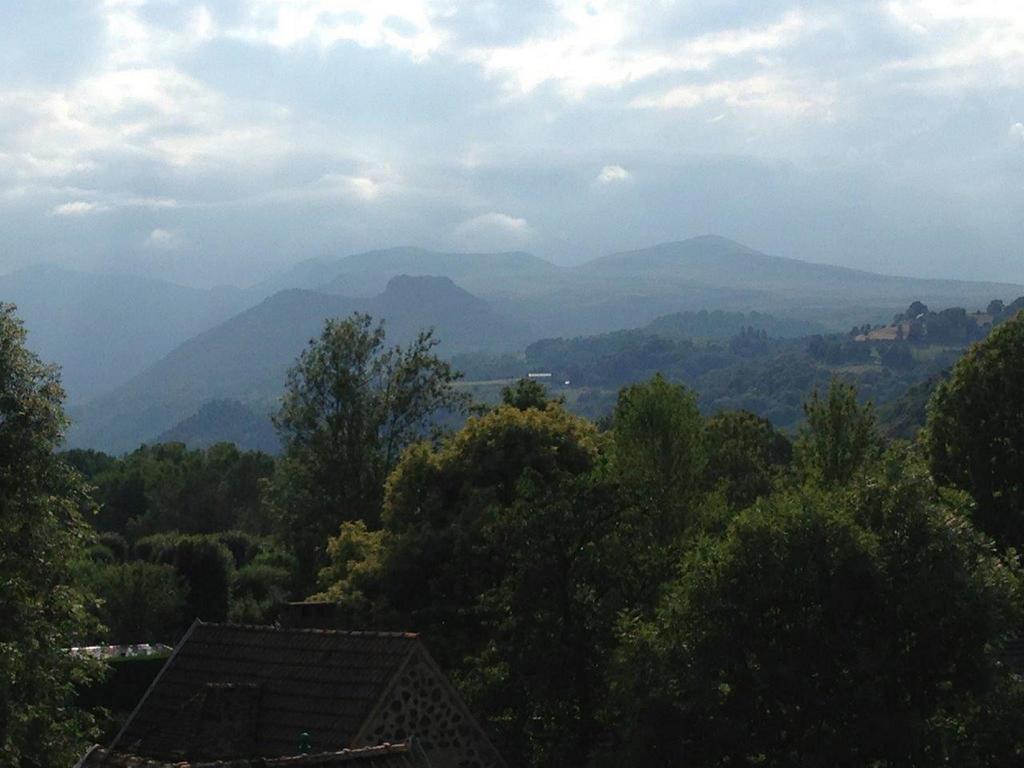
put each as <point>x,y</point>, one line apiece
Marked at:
<point>246,357</point>
<point>139,355</point>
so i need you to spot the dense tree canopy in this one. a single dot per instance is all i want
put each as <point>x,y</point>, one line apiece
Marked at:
<point>42,612</point>
<point>975,432</point>
<point>167,486</point>
<point>851,628</point>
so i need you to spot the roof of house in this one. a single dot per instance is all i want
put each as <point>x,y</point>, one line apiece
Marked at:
<point>245,691</point>
<point>382,756</point>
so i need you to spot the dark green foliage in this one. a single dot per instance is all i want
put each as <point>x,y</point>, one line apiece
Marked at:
<point>158,548</point>
<point>526,393</point>
<point>168,487</point>
<point>1010,311</point>
<point>837,351</point>
<point>351,405</point>
<point>839,437</point>
<point>719,324</point>
<point>614,359</point>
<point>975,433</point>
<point>659,452</point>
<point>548,621</point>
<point>243,546</point>
<point>258,592</point>
<point>749,343</point>
<point>874,651</point>
<point>88,463</point>
<point>207,567</point>
<point>42,611</point>
<point>904,417</point>
<point>745,456</point>
<point>138,602</point>
<point>490,547</point>
<point>204,565</point>
<point>115,543</point>
<point>897,355</point>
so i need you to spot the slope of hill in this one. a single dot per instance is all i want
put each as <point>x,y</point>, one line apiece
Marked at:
<point>715,261</point>
<point>104,329</point>
<point>246,357</point>
<point>224,421</point>
<point>719,324</point>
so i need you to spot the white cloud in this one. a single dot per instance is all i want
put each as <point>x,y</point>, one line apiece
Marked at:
<point>78,208</point>
<point>960,42</point>
<point>368,186</point>
<point>1017,131</point>
<point>767,93</point>
<point>403,25</point>
<point>613,173</point>
<point>599,45</point>
<point>493,231</point>
<point>163,240</point>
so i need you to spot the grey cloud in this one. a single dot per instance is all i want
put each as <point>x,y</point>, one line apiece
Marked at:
<point>844,136</point>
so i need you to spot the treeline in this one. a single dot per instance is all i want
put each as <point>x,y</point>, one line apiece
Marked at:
<point>662,588</point>
<point>752,368</point>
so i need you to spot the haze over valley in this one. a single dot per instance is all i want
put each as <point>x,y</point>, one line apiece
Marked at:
<point>140,355</point>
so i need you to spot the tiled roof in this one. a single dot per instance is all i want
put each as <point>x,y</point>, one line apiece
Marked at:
<point>383,756</point>
<point>247,691</point>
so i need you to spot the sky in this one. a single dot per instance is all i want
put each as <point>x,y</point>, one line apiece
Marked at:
<point>216,142</point>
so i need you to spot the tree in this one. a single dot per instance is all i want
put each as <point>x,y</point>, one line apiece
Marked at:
<point>492,545</point>
<point>975,430</point>
<point>839,437</point>
<point>350,407</point>
<point>745,456</point>
<point>42,533</point>
<point>858,627</point>
<point>205,566</point>
<point>658,449</point>
<point>138,602</point>
<point>526,393</point>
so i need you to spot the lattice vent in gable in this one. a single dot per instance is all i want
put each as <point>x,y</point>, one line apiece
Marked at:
<point>421,706</point>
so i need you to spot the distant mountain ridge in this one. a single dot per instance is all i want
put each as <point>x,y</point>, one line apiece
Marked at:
<point>113,333</point>
<point>103,329</point>
<point>366,274</point>
<point>245,358</point>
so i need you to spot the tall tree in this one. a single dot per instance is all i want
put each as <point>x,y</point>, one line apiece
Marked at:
<point>975,430</point>
<point>42,533</point>
<point>658,448</point>
<point>351,406</point>
<point>839,437</point>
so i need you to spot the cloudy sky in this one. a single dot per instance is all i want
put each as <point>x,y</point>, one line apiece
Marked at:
<point>212,142</point>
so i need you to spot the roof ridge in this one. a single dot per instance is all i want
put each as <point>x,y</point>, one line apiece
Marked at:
<point>314,630</point>
<point>122,759</point>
